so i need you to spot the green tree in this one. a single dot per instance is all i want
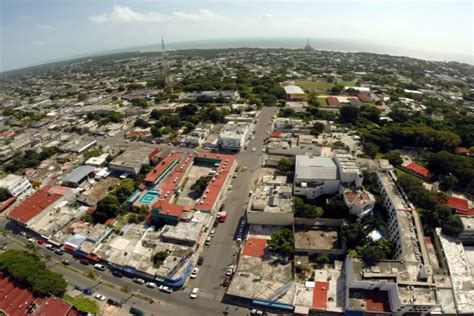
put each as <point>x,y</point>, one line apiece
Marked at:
<point>394,157</point>
<point>348,114</point>
<point>337,89</point>
<point>373,252</point>
<point>285,165</point>
<point>354,235</point>
<point>282,241</point>
<point>4,195</point>
<point>124,190</point>
<point>305,210</point>
<point>336,208</point>
<point>159,258</point>
<point>317,128</point>
<point>140,122</point>
<point>155,131</point>
<point>108,207</point>
<point>452,226</point>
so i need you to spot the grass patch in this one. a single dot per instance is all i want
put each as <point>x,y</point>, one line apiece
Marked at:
<point>320,85</point>
<point>90,274</point>
<point>378,156</point>
<point>125,288</point>
<point>82,303</point>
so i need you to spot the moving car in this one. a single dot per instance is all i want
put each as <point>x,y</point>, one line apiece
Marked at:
<point>194,293</point>
<point>194,273</point>
<point>151,285</point>
<point>138,280</point>
<point>100,267</point>
<point>99,297</point>
<point>165,288</point>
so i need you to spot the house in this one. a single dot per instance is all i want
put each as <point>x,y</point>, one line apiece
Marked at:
<point>417,170</point>
<point>333,101</point>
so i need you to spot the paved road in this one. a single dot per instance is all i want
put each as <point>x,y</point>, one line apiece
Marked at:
<point>223,249</point>
<point>222,252</point>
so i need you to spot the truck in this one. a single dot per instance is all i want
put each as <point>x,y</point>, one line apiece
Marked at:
<point>222,216</point>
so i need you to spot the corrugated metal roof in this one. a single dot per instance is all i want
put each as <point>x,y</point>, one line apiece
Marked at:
<point>78,174</point>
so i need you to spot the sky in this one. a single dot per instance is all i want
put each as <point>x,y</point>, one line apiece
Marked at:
<point>37,31</point>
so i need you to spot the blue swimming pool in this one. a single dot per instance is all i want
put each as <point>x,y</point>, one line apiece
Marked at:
<point>149,197</point>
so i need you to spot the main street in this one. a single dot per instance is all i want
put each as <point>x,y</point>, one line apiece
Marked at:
<point>221,252</point>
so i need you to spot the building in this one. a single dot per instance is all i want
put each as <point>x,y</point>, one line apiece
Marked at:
<point>15,185</point>
<point>467,236</point>
<point>132,160</point>
<point>403,285</point>
<point>417,170</point>
<point>271,204</point>
<point>333,101</point>
<point>294,93</point>
<point>359,202</point>
<point>315,176</point>
<point>454,257</point>
<point>287,124</point>
<point>234,135</point>
<point>349,173</point>
<point>197,137</point>
<point>45,200</point>
<point>357,89</point>
<point>79,146</point>
<point>75,177</point>
<point>97,161</point>
<point>15,299</point>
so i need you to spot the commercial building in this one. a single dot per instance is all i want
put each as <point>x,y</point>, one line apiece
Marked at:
<point>196,137</point>
<point>97,161</point>
<point>132,160</point>
<point>287,124</point>
<point>48,199</point>
<point>75,177</point>
<point>315,176</point>
<point>15,185</point>
<point>294,93</point>
<point>234,135</point>
<point>349,173</point>
<point>79,145</point>
<point>271,204</point>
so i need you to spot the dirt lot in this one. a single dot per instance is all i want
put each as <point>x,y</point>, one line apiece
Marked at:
<point>99,190</point>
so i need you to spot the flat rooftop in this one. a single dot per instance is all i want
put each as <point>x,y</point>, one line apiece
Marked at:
<point>259,278</point>
<point>461,272</point>
<point>187,232</point>
<point>272,199</point>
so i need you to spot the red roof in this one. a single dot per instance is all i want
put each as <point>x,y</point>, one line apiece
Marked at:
<point>154,153</point>
<point>460,205</point>
<point>364,97</point>
<point>254,247</point>
<point>419,170</point>
<point>168,187</point>
<point>161,166</point>
<point>36,203</point>
<point>320,295</point>
<point>377,301</point>
<point>462,150</point>
<point>14,300</point>
<point>333,101</point>
<point>5,204</point>
<point>276,134</point>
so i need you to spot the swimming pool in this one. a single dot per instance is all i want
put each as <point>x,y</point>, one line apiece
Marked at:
<point>148,197</point>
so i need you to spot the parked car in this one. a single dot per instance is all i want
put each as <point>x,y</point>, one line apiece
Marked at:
<point>99,297</point>
<point>165,288</point>
<point>87,292</point>
<point>208,240</point>
<point>32,240</point>
<point>136,311</point>
<point>78,287</point>
<point>253,149</point>
<point>138,280</point>
<point>194,293</point>
<point>200,260</point>
<point>230,270</point>
<point>23,234</point>
<point>85,262</point>
<point>40,241</point>
<point>59,251</point>
<point>100,267</point>
<point>194,273</point>
<point>227,280</point>
<point>50,247</point>
<point>151,285</point>
<point>114,302</point>
<point>212,233</point>
<point>66,262</point>
<point>257,312</point>
<point>117,273</point>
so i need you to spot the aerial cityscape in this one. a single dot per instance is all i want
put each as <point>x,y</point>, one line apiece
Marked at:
<point>233,179</point>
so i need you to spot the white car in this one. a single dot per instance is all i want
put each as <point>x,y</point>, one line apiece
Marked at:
<point>194,293</point>
<point>165,288</point>
<point>212,232</point>
<point>253,149</point>
<point>230,270</point>
<point>194,273</point>
<point>100,267</point>
<point>139,281</point>
<point>151,285</point>
<point>32,240</point>
<point>99,297</point>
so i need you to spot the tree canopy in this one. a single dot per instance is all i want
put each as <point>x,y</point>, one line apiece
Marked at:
<point>282,241</point>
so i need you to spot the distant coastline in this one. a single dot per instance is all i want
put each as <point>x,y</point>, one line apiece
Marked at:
<point>289,43</point>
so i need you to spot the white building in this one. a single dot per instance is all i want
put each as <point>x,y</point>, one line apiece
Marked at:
<point>349,172</point>
<point>271,204</point>
<point>359,202</point>
<point>234,135</point>
<point>196,137</point>
<point>286,124</point>
<point>315,176</point>
<point>15,185</point>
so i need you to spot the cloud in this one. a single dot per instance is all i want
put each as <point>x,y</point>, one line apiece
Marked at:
<point>44,27</point>
<point>38,43</point>
<point>202,14</point>
<point>266,17</point>
<point>124,14</point>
